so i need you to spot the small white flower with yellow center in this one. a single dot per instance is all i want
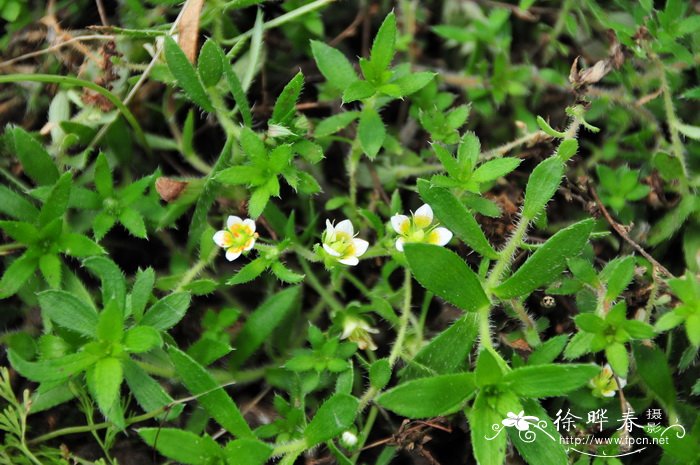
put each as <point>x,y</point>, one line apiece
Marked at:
<point>419,228</point>
<point>339,242</point>
<point>238,237</point>
<point>604,384</point>
<point>357,330</point>
<point>348,439</point>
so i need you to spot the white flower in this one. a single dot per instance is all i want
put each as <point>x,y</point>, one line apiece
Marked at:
<point>339,241</point>
<point>238,237</point>
<point>520,421</point>
<point>357,330</point>
<point>349,439</point>
<point>419,228</point>
<point>604,384</point>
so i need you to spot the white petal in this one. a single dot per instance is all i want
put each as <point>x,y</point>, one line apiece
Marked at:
<point>220,238</point>
<point>360,246</point>
<point>348,328</point>
<point>440,236</point>
<point>400,223</point>
<point>250,223</point>
<point>399,244</point>
<point>330,231</point>
<point>250,245</point>
<point>509,422</point>
<point>328,249</point>
<point>610,393</point>
<point>352,261</point>
<point>623,382</point>
<point>233,219</point>
<point>424,212</point>
<point>522,425</point>
<point>231,255</point>
<point>346,227</point>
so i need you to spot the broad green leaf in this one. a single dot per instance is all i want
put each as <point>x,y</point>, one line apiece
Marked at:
<point>182,446</point>
<point>286,275</point>
<point>335,123</point>
<point>590,322</point>
<point>262,322</point>
<point>688,130</point>
<point>548,261</point>
<point>142,339</point>
<point>103,177</point>
<point>209,394</point>
<point>548,380</point>
<point>495,169</point>
<point>489,369</point>
<point>549,350</point>
<point>446,352</point>
<point>414,82</point>
<point>111,277</point>
<point>141,292</point>
<point>333,65</point>
<point>541,186</point>
<point>617,356</point>
<point>78,245</point>
<point>167,312</point>
<point>19,271</point>
<point>210,65</point>
<point>445,274</point>
<point>110,325</point>
<point>618,274</point>
<point>52,369</point>
<point>429,397</point>
<point>57,201</point>
<point>247,452</point>
<point>240,175</point>
<point>50,266</point>
<point>20,231</point>
<point>186,75</point>
<point>567,149</point>
<point>578,345</point>
<point>489,448</point>
<point>149,394</point>
<point>544,450</point>
<point>36,161</point>
<point>132,220</point>
<point>104,379</point>
<point>68,311</point>
<point>285,106</point>
<point>16,206</point>
<point>333,417</point>
<point>455,217</point>
<point>384,45</point>
<point>358,90</point>
<point>379,373</point>
<point>371,132</point>
<point>655,372</point>
<point>252,145</point>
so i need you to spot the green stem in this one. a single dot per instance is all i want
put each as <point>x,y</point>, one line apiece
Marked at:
<point>72,81</point>
<point>403,322</point>
<point>366,429</point>
<point>673,122</point>
<point>191,274</point>
<point>289,448</point>
<point>353,162</point>
<point>318,287</point>
<point>485,328</point>
<point>506,255</point>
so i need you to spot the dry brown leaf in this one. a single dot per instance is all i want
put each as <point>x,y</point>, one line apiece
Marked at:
<point>169,189</point>
<point>188,29</point>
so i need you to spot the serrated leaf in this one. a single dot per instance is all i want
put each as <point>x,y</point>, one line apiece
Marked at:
<point>333,65</point>
<point>19,271</point>
<point>167,312</point>
<point>149,394</point>
<point>182,446</point>
<point>334,417</point>
<point>285,105</point>
<point>36,161</point>
<point>186,75</point>
<point>103,380</point>
<point>54,369</point>
<point>111,277</point>
<point>68,311</point>
<point>57,201</point>
<point>495,169</point>
<point>429,397</point>
<point>548,380</point>
<point>541,186</point>
<point>371,132</point>
<point>335,123</point>
<point>384,45</point>
<point>209,64</point>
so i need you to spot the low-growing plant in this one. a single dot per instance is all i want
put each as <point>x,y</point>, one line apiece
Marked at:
<point>260,250</point>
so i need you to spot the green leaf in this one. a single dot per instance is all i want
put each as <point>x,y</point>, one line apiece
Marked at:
<point>333,65</point>
<point>78,245</point>
<point>455,217</point>
<point>36,161</point>
<point>210,65</point>
<point>16,206</point>
<point>548,261</point>
<point>489,369</point>
<point>186,75</point>
<point>590,322</point>
<point>50,266</point>
<point>567,149</point>
<point>262,322</point>
<point>379,373</point>
<point>482,417</point>
<point>690,131</point>
<point>445,274</point>
<point>57,202</point>
<point>495,169</point>
<point>548,129</point>
<point>68,311</point>
<point>209,394</point>
<point>20,231</point>
<point>104,379</point>
<point>286,275</point>
<point>655,372</point>
<point>548,351</point>
<point>335,416</point>
<point>543,451</point>
<point>181,445</point>
<point>141,292</point>
<point>149,394</point>
<point>285,106</point>
<point>541,186</point>
<point>167,312</point>
<point>111,277</point>
<point>358,90</point>
<point>54,369</point>
<point>247,452</point>
<point>19,271</point>
<point>446,352</point>
<point>133,222</point>
<point>414,82</point>
<point>384,45</point>
<point>110,326</point>
<point>549,380</point>
<point>103,177</point>
<point>142,339</point>
<point>618,358</point>
<point>250,271</point>
<point>429,397</point>
<point>618,275</point>
<point>258,200</point>
<point>335,123</point>
<point>371,132</point>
